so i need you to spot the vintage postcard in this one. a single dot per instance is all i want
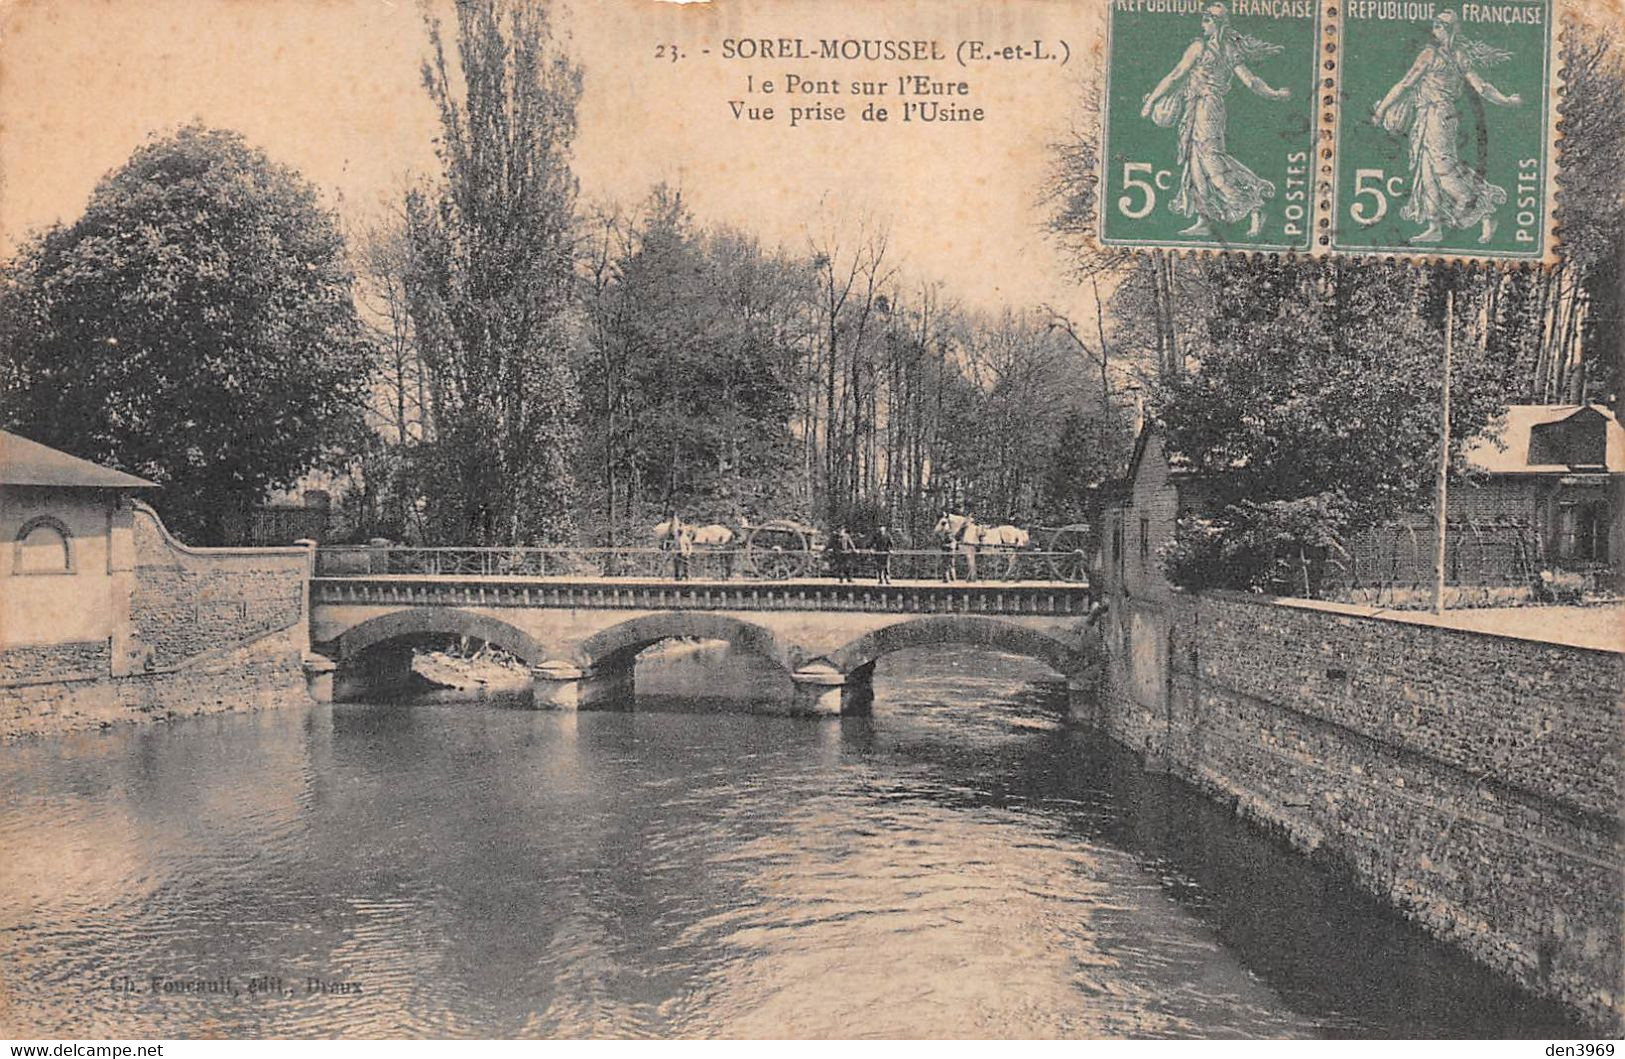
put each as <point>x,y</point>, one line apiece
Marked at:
<point>813,519</point>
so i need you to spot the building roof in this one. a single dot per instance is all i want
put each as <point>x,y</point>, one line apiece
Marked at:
<point>1511,456</point>
<point>24,462</point>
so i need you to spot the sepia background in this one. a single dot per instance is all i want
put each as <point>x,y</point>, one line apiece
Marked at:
<point>332,88</point>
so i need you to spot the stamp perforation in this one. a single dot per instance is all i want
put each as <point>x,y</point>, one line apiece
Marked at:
<point>1328,112</point>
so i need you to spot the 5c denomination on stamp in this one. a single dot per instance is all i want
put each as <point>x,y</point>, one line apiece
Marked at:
<point>1209,124</point>
<point>1443,129</point>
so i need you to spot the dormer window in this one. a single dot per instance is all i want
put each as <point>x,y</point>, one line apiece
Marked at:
<point>1579,441</point>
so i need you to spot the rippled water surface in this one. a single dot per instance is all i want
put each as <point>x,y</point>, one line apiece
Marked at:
<point>959,864</point>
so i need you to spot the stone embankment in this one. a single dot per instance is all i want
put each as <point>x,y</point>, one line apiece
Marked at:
<point>1471,779</point>
<point>190,632</point>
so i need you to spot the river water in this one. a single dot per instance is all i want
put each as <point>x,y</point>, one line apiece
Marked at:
<point>959,864</point>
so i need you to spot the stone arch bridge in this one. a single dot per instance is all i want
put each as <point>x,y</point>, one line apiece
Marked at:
<point>581,637</point>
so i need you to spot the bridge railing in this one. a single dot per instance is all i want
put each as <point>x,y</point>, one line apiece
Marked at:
<point>702,564</point>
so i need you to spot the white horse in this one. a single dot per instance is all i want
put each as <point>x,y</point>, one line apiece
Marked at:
<point>683,538</point>
<point>714,535</point>
<point>974,537</point>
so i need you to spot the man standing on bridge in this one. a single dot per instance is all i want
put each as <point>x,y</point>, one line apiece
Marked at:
<point>841,548</point>
<point>948,541</point>
<point>882,548</point>
<point>678,541</point>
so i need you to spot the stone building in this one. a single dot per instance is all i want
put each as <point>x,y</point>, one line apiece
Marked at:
<point>66,582</point>
<point>105,618</point>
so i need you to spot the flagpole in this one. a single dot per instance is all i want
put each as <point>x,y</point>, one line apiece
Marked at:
<point>1444,454</point>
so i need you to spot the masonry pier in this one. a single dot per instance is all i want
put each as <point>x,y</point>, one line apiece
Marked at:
<point>562,685</point>
<point>823,690</point>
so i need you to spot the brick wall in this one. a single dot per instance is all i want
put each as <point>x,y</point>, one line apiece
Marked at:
<point>1474,781</point>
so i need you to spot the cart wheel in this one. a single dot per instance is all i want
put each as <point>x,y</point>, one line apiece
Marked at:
<point>776,552</point>
<point>1069,557</point>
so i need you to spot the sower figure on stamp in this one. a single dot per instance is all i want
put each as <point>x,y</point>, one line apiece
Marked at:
<point>1444,189</point>
<point>1213,186</point>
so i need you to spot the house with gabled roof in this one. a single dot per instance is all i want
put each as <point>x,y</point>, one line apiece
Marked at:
<point>1559,469</point>
<point>66,568</point>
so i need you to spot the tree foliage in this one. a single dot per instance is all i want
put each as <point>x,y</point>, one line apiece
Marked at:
<point>491,280</point>
<point>689,385</point>
<point>737,383</point>
<point>1313,409</point>
<point>194,326</point>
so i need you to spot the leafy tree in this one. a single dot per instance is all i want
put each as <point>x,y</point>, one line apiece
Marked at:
<point>689,387</point>
<point>1593,203</point>
<point>492,279</point>
<point>195,326</point>
<point>1314,409</point>
<point>1088,452</point>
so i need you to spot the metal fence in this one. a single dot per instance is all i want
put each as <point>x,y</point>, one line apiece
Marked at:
<point>723,564</point>
<point>1498,553</point>
<point>1487,561</point>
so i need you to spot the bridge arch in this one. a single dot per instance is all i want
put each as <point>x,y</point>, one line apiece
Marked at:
<point>963,629</point>
<point>616,646</point>
<point>439,621</point>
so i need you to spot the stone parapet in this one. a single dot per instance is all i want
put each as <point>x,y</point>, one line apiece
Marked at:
<point>991,598</point>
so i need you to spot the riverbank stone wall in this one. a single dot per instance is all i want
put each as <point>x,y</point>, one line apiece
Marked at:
<point>266,674</point>
<point>191,601</point>
<point>1472,780</point>
<point>204,631</point>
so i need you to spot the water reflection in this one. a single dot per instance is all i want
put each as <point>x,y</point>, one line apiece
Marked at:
<point>959,864</point>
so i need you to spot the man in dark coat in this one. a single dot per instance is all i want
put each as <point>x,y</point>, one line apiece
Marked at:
<point>882,547</point>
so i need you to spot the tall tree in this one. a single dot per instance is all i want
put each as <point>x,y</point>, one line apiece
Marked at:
<point>195,326</point>
<point>492,278</point>
<point>1315,409</point>
<point>691,380</point>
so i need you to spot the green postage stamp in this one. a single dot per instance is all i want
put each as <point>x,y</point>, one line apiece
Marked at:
<point>1415,128</point>
<point>1442,128</point>
<point>1209,124</point>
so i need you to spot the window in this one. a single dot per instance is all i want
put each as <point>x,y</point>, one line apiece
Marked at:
<point>1582,530</point>
<point>1145,541</point>
<point>43,546</point>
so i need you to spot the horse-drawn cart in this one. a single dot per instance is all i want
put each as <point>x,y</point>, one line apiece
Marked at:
<point>1066,549</point>
<point>780,549</point>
